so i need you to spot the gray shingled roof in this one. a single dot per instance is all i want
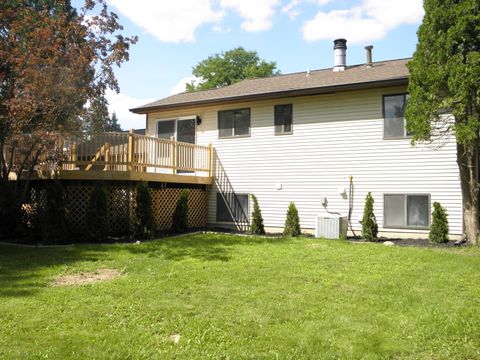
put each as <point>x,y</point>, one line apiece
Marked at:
<point>302,83</point>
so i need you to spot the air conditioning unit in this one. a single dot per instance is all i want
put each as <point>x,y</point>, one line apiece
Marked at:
<point>331,227</point>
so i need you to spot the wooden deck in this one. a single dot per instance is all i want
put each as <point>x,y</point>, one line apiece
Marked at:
<point>118,156</point>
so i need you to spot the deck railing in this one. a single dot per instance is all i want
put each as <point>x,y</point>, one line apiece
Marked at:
<point>114,151</point>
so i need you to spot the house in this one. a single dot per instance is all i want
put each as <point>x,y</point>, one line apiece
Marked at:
<point>322,139</point>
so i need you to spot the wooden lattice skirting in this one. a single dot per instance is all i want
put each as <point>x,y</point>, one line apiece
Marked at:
<point>121,204</point>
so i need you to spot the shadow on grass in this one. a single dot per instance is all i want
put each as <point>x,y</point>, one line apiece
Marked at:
<point>25,270</point>
<point>205,247</point>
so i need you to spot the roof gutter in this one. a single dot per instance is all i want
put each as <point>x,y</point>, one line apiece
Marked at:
<point>278,94</point>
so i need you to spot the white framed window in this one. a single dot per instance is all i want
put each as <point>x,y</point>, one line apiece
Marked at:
<point>180,128</point>
<point>283,119</point>
<point>406,211</point>
<point>394,116</point>
<point>238,208</point>
<point>233,123</point>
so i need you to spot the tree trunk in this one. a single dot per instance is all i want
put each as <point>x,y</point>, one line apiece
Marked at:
<point>467,165</point>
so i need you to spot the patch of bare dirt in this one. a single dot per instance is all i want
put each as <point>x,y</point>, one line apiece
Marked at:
<point>86,277</point>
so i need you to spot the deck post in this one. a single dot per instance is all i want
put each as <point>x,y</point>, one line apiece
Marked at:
<point>73,155</point>
<point>107,157</point>
<point>210,159</point>
<point>130,150</point>
<point>172,153</point>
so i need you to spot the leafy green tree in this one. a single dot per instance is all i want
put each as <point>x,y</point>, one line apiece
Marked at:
<point>439,228</point>
<point>369,222</point>
<point>444,91</point>
<point>180,215</point>
<point>145,224</point>
<point>292,222</point>
<point>230,67</point>
<point>257,219</point>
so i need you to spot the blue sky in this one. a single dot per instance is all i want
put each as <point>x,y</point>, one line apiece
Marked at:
<point>297,34</point>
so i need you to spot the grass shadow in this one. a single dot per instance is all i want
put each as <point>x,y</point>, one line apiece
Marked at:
<point>205,247</point>
<point>22,269</point>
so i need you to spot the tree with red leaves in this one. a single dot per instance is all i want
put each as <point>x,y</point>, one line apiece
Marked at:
<point>55,59</point>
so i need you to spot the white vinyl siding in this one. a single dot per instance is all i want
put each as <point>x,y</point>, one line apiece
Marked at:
<point>336,136</point>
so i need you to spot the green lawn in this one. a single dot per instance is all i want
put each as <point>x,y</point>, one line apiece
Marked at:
<point>234,297</point>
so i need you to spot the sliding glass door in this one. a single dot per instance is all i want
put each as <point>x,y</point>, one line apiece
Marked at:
<point>181,130</point>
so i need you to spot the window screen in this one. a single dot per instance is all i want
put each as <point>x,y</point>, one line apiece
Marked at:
<point>166,129</point>
<point>417,210</point>
<point>238,207</point>
<point>394,210</point>
<point>234,123</point>
<point>393,114</point>
<point>225,123</point>
<point>283,119</point>
<point>406,211</point>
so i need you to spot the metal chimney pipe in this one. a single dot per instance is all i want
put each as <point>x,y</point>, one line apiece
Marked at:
<point>340,54</point>
<point>368,49</point>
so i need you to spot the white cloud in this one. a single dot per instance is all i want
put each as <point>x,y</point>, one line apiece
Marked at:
<point>169,21</point>
<point>291,9</point>
<point>219,29</point>
<point>176,21</point>
<point>120,104</point>
<point>257,14</point>
<point>181,85</point>
<point>371,20</point>
<point>395,12</point>
<point>322,2</point>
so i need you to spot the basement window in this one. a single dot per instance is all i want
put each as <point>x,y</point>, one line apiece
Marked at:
<point>394,116</point>
<point>238,208</point>
<point>234,123</point>
<point>283,119</point>
<point>406,211</point>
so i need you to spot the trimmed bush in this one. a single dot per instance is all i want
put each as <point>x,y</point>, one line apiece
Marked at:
<point>257,219</point>
<point>10,211</point>
<point>439,229</point>
<point>292,222</point>
<point>369,222</point>
<point>97,212</point>
<point>145,224</point>
<point>180,215</point>
<point>52,217</point>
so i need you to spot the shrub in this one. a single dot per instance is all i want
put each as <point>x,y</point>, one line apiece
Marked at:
<point>439,229</point>
<point>52,216</point>
<point>97,214</point>
<point>180,215</point>
<point>292,222</point>
<point>369,222</point>
<point>145,223</point>
<point>257,219</point>
<point>10,211</point>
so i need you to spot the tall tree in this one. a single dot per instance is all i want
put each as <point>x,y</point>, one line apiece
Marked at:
<point>230,67</point>
<point>113,124</point>
<point>54,60</point>
<point>444,91</point>
<point>96,119</point>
